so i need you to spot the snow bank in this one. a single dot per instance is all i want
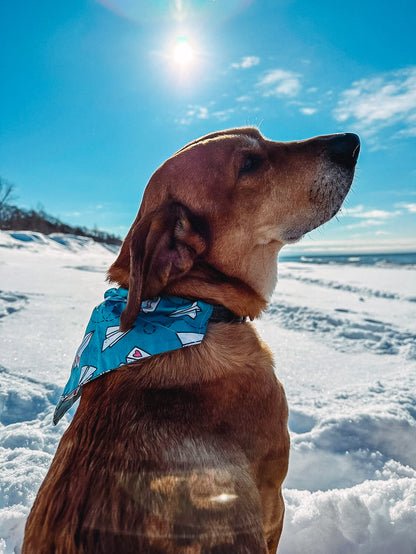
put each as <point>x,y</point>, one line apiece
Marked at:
<point>371,518</point>
<point>27,445</point>
<point>344,341</point>
<point>37,242</point>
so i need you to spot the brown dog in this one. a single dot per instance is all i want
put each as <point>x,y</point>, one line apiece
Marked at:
<point>185,452</point>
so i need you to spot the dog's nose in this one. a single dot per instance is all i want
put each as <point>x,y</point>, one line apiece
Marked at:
<point>343,149</point>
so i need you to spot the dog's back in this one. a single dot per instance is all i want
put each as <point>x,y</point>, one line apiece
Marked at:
<point>161,458</point>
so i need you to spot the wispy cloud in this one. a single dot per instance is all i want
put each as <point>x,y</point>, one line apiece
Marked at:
<point>202,112</point>
<point>192,113</point>
<point>410,206</point>
<point>381,101</point>
<point>308,111</point>
<point>374,214</point>
<point>244,98</point>
<point>246,62</point>
<point>368,217</point>
<point>365,223</point>
<point>223,115</point>
<point>279,82</point>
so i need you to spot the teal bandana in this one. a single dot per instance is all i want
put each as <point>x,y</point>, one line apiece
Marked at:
<point>163,324</point>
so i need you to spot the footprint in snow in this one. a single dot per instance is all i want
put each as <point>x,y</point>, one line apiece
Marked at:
<point>11,302</point>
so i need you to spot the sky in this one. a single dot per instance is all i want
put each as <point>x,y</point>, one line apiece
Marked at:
<point>96,94</point>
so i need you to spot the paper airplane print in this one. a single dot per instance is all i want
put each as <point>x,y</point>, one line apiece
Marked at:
<point>85,342</point>
<point>87,371</point>
<point>187,339</point>
<point>112,335</point>
<point>136,354</point>
<point>149,306</point>
<point>190,311</point>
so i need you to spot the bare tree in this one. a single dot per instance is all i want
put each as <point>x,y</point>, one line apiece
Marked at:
<point>14,218</point>
<point>6,192</point>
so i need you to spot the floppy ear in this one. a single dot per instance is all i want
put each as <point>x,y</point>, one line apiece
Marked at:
<point>163,247</point>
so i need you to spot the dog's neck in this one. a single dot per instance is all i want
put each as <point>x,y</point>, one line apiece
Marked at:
<point>203,282</point>
<point>208,284</point>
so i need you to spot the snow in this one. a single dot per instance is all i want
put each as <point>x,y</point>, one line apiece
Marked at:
<point>344,341</point>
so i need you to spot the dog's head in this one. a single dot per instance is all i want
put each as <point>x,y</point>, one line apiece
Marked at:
<point>215,215</point>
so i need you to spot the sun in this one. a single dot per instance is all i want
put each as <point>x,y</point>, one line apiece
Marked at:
<point>183,52</point>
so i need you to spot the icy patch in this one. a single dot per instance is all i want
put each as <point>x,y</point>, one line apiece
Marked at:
<point>11,302</point>
<point>29,236</point>
<point>70,240</point>
<point>75,242</point>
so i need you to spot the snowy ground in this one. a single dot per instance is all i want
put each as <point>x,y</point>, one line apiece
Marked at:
<point>344,341</point>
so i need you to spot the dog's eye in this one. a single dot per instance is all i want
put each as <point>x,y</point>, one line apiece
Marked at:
<point>250,163</point>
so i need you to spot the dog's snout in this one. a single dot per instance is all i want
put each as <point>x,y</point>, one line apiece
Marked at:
<point>343,149</point>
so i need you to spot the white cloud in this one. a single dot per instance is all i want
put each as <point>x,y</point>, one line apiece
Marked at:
<point>308,111</point>
<point>199,112</point>
<point>202,112</point>
<point>381,101</point>
<point>223,115</point>
<point>246,62</point>
<point>352,211</point>
<point>369,217</point>
<point>359,211</point>
<point>279,82</point>
<point>365,223</point>
<point>410,207</point>
<point>193,112</point>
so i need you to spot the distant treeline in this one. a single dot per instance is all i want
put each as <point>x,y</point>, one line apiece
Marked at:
<point>13,218</point>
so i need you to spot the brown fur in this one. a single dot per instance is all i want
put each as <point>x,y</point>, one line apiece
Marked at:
<point>186,452</point>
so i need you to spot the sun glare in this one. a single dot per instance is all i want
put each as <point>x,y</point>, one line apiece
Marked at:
<point>183,53</point>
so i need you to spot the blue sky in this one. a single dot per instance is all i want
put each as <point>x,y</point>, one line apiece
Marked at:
<point>93,100</point>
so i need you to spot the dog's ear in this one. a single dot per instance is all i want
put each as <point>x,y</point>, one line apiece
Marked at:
<point>163,247</point>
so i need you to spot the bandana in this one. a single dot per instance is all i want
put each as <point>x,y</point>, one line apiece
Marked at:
<point>163,324</point>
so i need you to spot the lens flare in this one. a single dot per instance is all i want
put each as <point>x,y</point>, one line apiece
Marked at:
<point>180,11</point>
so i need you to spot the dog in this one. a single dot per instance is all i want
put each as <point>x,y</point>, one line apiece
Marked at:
<point>185,452</point>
